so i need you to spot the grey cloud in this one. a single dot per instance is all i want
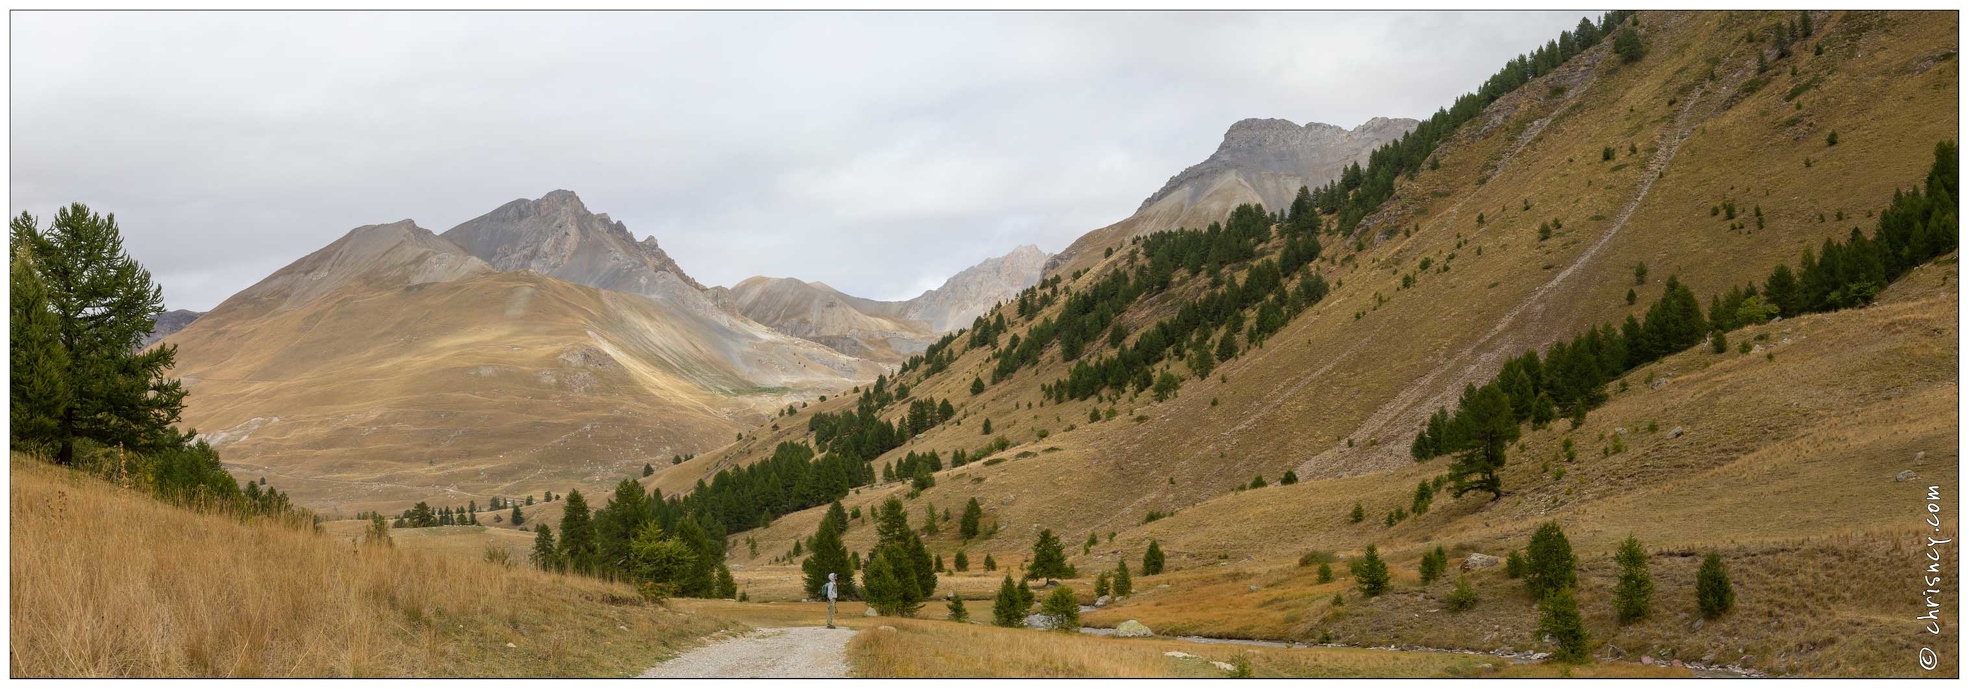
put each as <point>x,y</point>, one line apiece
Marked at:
<point>877,152</point>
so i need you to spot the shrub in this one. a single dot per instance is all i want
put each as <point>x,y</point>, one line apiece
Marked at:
<point>1123,583</point>
<point>1559,620</point>
<point>1713,593</point>
<point>1635,591</point>
<point>1463,597</point>
<point>1101,585</point>
<point>1549,564</point>
<point>1371,573</point>
<point>1325,573</point>
<point>1288,479</point>
<point>956,608</point>
<point>1832,138</point>
<point>1062,609</point>
<point>1358,515</point>
<point>1606,153</point>
<point>1514,565</point>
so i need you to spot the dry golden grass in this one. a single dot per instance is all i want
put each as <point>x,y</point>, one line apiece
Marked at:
<point>109,583</point>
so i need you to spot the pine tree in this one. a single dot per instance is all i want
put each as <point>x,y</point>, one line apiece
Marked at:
<point>647,469</point>
<point>1559,619</point>
<point>1152,560</point>
<point>1006,609</point>
<point>977,387</point>
<point>104,303</point>
<point>990,565</point>
<point>518,517</point>
<point>39,388</point>
<point>838,516</point>
<point>961,562</point>
<point>828,556</point>
<point>1425,492</point>
<point>1124,584</point>
<point>1634,594</point>
<point>1049,559</point>
<point>545,555</point>
<point>1490,430</point>
<point>967,526</point>
<point>577,535</point>
<point>1549,564</point>
<point>1062,610</point>
<point>1288,479</point>
<point>1371,573</point>
<point>929,519</point>
<point>1628,44</point>
<point>1358,515</point>
<point>1514,565</point>
<point>1714,596</point>
<point>1325,573</point>
<point>886,590</point>
<point>986,427</point>
<point>1434,563</point>
<point>957,613</point>
<point>1101,585</point>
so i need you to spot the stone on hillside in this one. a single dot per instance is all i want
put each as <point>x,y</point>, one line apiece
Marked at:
<point>1103,601</point>
<point>1918,456</point>
<point>1479,561</point>
<point>1658,383</point>
<point>1221,665</point>
<point>1905,475</point>
<point>885,628</point>
<point>1647,660</point>
<point>1132,628</point>
<point>1252,588</point>
<point>870,613</point>
<point>1675,432</point>
<point>1178,654</point>
<point>1040,622</point>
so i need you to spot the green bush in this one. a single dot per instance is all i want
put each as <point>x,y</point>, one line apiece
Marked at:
<point>1549,564</point>
<point>1371,573</point>
<point>1635,591</point>
<point>1714,596</point>
<point>1463,597</point>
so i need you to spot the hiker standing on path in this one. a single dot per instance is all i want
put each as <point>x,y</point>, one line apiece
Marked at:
<point>830,600</point>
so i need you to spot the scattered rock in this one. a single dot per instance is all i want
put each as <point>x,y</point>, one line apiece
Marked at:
<point>1677,663</point>
<point>1904,476</point>
<point>1647,660</point>
<point>1659,383</point>
<point>885,628</point>
<point>1007,500</point>
<point>1479,561</point>
<point>1619,431</point>
<point>1615,652</point>
<point>870,613</point>
<point>1695,626</point>
<point>622,627</point>
<point>1918,456</point>
<point>1675,432</point>
<point>509,644</point>
<point>1131,629</point>
<point>1040,622</point>
<point>1252,588</point>
<point>1103,601</point>
<point>1177,654</point>
<point>1221,665</point>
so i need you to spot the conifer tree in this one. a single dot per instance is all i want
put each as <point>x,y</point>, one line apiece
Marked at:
<point>647,469</point>
<point>1514,565</point>
<point>957,613</point>
<point>967,526</point>
<point>518,518</point>
<point>977,385</point>
<point>1490,430</point>
<point>1434,563</point>
<point>1425,492</point>
<point>1124,584</point>
<point>1463,597</point>
<point>103,303</point>
<point>828,556</point>
<point>1049,559</point>
<point>1358,514</point>
<point>577,535</point>
<point>39,387</point>
<point>1371,573</point>
<point>545,555</point>
<point>1634,593</point>
<point>1714,596</point>
<point>1559,619</point>
<point>1325,575</point>
<point>990,565</point>
<point>838,516</point>
<point>1152,560</point>
<point>1549,564</point>
<point>961,562</point>
<point>1007,610</point>
<point>1101,585</point>
<point>886,590</point>
<point>929,519</point>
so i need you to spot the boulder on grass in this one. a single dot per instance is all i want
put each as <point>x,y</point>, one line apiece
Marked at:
<point>1131,629</point>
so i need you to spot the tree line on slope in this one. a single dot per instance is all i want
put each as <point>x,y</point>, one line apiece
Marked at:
<point>1359,191</point>
<point>1917,226</point>
<point>83,391</point>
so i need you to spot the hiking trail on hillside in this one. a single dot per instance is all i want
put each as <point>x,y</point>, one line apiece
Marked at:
<point>766,652</point>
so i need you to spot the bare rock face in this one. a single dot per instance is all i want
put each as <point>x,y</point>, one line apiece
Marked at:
<point>556,236</point>
<point>885,331</point>
<point>1262,161</point>
<point>974,290</point>
<point>169,322</point>
<point>398,254</point>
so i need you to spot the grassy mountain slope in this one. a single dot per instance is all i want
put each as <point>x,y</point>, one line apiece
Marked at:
<point>360,382</point>
<point>107,582</point>
<point>1336,396</point>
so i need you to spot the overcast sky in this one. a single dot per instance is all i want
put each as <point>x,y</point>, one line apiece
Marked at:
<point>877,152</point>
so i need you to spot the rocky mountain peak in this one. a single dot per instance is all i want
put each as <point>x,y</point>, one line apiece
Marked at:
<point>557,235</point>
<point>1311,154</point>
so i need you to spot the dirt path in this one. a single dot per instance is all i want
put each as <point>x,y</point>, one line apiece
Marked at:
<point>768,652</point>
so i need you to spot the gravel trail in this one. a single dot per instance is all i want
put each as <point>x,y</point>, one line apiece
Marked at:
<point>767,652</point>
